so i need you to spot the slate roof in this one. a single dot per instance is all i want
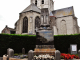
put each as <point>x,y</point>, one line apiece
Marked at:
<point>63,12</point>
<point>32,7</point>
<point>10,28</point>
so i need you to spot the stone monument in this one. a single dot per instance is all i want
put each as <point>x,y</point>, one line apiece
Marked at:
<point>44,35</point>
<point>10,52</point>
<point>23,50</point>
<point>44,40</point>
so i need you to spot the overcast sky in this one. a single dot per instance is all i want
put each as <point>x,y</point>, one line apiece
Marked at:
<point>10,9</point>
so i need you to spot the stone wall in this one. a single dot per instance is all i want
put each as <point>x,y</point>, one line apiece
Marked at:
<point>75,25</point>
<point>63,25</point>
<point>68,25</point>
<point>55,30</point>
<point>31,25</point>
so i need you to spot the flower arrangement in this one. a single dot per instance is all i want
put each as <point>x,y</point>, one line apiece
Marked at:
<point>68,56</point>
<point>40,57</point>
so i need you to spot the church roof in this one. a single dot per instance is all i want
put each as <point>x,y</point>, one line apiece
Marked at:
<point>63,12</point>
<point>32,7</point>
<point>10,28</point>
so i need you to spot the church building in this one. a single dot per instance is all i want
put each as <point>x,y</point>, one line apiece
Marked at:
<point>8,30</point>
<point>62,21</point>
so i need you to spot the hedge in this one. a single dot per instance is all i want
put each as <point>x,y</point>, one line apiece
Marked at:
<point>17,42</point>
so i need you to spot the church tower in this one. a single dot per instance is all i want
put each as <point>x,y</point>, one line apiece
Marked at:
<point>44,4</point>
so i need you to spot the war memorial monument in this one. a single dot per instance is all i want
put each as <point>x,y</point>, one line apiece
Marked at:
<point>44,41</point>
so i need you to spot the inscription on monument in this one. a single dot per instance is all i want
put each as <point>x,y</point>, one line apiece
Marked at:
<point>45,37</point>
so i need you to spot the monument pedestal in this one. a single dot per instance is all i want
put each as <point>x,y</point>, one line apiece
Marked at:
<point>42,51</point>
<point>44,41</point>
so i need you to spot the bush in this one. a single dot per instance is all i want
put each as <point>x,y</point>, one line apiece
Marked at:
<point>17,42</point>
<point>16,54</point>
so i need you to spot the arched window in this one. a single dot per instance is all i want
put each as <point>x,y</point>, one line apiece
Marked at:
<point>36,2</point>
<point>63,27</point>
<point>25,25</point>
<point>42,1</point>
<point>37,22</point>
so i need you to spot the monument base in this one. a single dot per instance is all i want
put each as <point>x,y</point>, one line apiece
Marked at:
<point>44,49</point>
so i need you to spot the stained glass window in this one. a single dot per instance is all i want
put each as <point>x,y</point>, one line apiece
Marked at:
<point>37,22</point>
<point>25,25</point>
